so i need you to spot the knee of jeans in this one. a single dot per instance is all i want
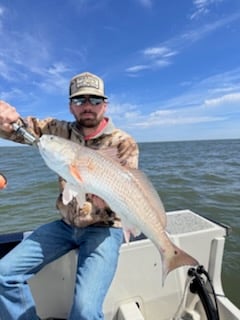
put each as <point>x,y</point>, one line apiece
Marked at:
<point>3,275</point>
<point>3,269</point>
<point>85,310</point>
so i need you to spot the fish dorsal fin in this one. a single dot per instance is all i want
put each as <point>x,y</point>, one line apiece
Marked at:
<point>111,153</point>
<point>152,196</point>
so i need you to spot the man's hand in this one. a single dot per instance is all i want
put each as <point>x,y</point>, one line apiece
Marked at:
<point>8,114</point>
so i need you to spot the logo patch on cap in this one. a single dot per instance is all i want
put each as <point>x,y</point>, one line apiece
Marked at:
<point>87,81</point>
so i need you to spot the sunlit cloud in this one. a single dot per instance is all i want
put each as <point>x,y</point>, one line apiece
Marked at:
<point>202,7</point>
<point>173,121</point>
<point>28,57</point>
<point>162,63</point>
<point>163,54</point>
<point>137,68</point>
<point>5,72</point>
<point>156,52</point>
<point>146,3</point>
<point>211,100</point>
<point>55,79</point>
<point>1,11</point>
<point>154,57</point>
<point>13,93</point>
<point>226,99</point>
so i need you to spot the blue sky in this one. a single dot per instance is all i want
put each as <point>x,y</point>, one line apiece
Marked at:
<point>171,68</point>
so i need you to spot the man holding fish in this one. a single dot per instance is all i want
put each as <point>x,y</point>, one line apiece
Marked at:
<point>97,165</point>
<point>92,226</point>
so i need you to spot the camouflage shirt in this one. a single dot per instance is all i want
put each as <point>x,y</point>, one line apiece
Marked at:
<point>109,136</point>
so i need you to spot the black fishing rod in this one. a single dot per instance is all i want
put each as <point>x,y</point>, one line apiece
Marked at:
<point>29,138</point>
<point>20,130</point>
<point>198,286</point>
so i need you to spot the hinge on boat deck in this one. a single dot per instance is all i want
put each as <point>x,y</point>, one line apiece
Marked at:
<point>130,311</point>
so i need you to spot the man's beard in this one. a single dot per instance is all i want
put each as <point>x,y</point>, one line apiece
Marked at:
<point>90,123</point>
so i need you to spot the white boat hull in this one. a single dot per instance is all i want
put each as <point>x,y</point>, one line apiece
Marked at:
<point>136,292</point>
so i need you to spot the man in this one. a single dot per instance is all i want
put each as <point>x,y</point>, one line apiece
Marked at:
<point>96,232</point>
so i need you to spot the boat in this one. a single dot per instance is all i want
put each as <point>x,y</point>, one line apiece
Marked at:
<point>137,293</point>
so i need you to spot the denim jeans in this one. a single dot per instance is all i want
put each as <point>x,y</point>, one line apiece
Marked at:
<point>97,262</point>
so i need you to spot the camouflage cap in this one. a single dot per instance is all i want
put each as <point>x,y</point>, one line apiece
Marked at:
<point>86,83</point>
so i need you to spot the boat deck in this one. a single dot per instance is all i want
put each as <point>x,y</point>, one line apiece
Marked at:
<point>132,294</point>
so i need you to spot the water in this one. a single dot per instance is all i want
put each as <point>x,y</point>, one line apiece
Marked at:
<point>203,176</point>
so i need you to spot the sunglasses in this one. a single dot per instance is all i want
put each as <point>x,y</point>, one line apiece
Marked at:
<point>93,100</point>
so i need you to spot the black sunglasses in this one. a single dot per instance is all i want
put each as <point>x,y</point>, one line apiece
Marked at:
<point>93,100</point>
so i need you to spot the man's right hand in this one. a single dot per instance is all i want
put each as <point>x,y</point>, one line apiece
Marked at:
<point>8,114</point>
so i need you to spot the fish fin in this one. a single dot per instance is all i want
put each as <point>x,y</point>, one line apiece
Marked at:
<point>68,193</point>
<point>110,153</point>
<point>75,172</point>
<point>81,199</point>
<point>80,193</point>
<point>128,230</point>
<point>177,259</point>
<point>127,235</point>
<point>152,196</point>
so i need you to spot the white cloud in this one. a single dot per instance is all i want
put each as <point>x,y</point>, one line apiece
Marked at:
<point>162,63</point>
<point>13,93</point>
<point>156,51</point>
<point>161,51</point>
<point>27,57</point>
<point>202,7</point>
<point>154,57</point>
<point>225,99</point>
<point>146,3</point>
<point>54,79</point>
<point>137,68</point>
<point>1,11</point>
<point>172,121</point>
<point>5,71</point>
<point>161,113</point>
<point>117,108</point>
<point>190,109</point>
<point>24,54</point>
<point>162,55</point>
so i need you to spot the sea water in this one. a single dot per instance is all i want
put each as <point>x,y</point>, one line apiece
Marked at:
<point>203,176</point>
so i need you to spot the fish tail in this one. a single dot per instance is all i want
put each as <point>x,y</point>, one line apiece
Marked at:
<point>178,259</point>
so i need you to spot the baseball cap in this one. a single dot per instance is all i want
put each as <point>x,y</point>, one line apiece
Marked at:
<point>86,83</point>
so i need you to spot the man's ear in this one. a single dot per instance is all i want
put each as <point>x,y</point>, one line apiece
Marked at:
<point>70,107</point>
<point>105,105</point>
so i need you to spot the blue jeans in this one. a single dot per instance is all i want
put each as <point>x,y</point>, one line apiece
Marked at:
<point>97,262</point>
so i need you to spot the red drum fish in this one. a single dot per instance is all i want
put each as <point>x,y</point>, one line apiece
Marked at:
<point>128,192</point>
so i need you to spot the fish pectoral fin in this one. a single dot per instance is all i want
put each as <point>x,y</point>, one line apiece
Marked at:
<point>69,192</point>
<point>75,172</point>
<point>81,199</point>
<point>127,235</point>
<point>128,230</point>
